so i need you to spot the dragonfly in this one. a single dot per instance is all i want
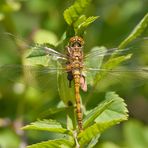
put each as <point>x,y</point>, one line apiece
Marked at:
<point>76,64</point>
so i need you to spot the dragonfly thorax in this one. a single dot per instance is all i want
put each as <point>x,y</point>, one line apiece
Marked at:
<point>75,53</point>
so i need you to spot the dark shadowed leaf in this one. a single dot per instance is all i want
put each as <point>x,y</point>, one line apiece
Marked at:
<point>136,32</point>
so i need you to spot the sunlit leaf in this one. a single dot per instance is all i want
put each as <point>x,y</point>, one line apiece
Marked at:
<point>109,65</point>
<point>40,50</point>
<point>112,115</point>
<point>59,143</point>
<point>79,21</point>
<point>94,141</point>
<point>89,119</point>
<point>87,21</point>
<point>46,125</point>
<point>37,53</point>
<point>69,123</point>
<point>73,12</point>
<point>82,24</point>
<point>114,62</point>
<point>116,111</point>
<point>94,62</point>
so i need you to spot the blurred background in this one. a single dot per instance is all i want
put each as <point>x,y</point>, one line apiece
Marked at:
<point>38,21</point>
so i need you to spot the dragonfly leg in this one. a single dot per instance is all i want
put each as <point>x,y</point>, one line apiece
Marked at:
<point>68,49</point>
<point>70,78</point>
<point>69,84</point>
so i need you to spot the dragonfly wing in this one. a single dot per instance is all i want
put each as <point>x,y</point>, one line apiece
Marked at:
<point>96,59</point>
<point>39,77</point>
<point>117,51</point>
<point>107,52</point>
<point>40,50</point>
<point>126,77</point>
<point>35,49</point>
<point>93,61</point>
<point>40,63</point>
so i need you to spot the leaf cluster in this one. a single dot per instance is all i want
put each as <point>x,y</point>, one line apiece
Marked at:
<point>109,112</point>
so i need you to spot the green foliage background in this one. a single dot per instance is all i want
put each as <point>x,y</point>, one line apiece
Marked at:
<point>43,21</point>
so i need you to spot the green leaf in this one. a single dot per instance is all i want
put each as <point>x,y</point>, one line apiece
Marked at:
<point>39,50</point>
<point>82,24</point>
<point>114,62</point>
<point>117,110</point>
<point>136,32</point>
<point>46,125</point>
<point>136,134</point>
<point>94,62</point>
<point>52,111</point>
<point>39,56</point>
<point>88,134</point>
<point>87,21</point>
<point>59,143</point>
<point>37,53</point>
<point>75,11</point>
<point>114,113</point>
<point>79,21</point>
<point>89,119</point>
<point>69,123</point>
<point>93,141</point>
<point>66,93</point>
<point>109,65</point>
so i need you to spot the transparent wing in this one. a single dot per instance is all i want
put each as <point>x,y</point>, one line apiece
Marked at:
<point>35,49</point>
<point>97,67</point>
<point>102,52</point>
<point>97,57</point>
<point>39,66</point>
<point>127,77</point>
<point>39,77</point>
<point>42,50</point>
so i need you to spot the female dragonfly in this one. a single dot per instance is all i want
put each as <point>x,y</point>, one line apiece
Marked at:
<point>76,65</point>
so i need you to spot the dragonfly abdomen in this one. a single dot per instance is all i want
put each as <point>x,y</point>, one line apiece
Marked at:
<point>77,97</point>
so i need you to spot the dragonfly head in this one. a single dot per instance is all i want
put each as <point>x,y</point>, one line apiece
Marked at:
<point>76,41</point>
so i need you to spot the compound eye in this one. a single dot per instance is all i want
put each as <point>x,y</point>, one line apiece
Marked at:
<point>72,39</point>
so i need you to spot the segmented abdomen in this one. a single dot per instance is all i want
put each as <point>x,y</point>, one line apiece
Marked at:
<point>77,98</point>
